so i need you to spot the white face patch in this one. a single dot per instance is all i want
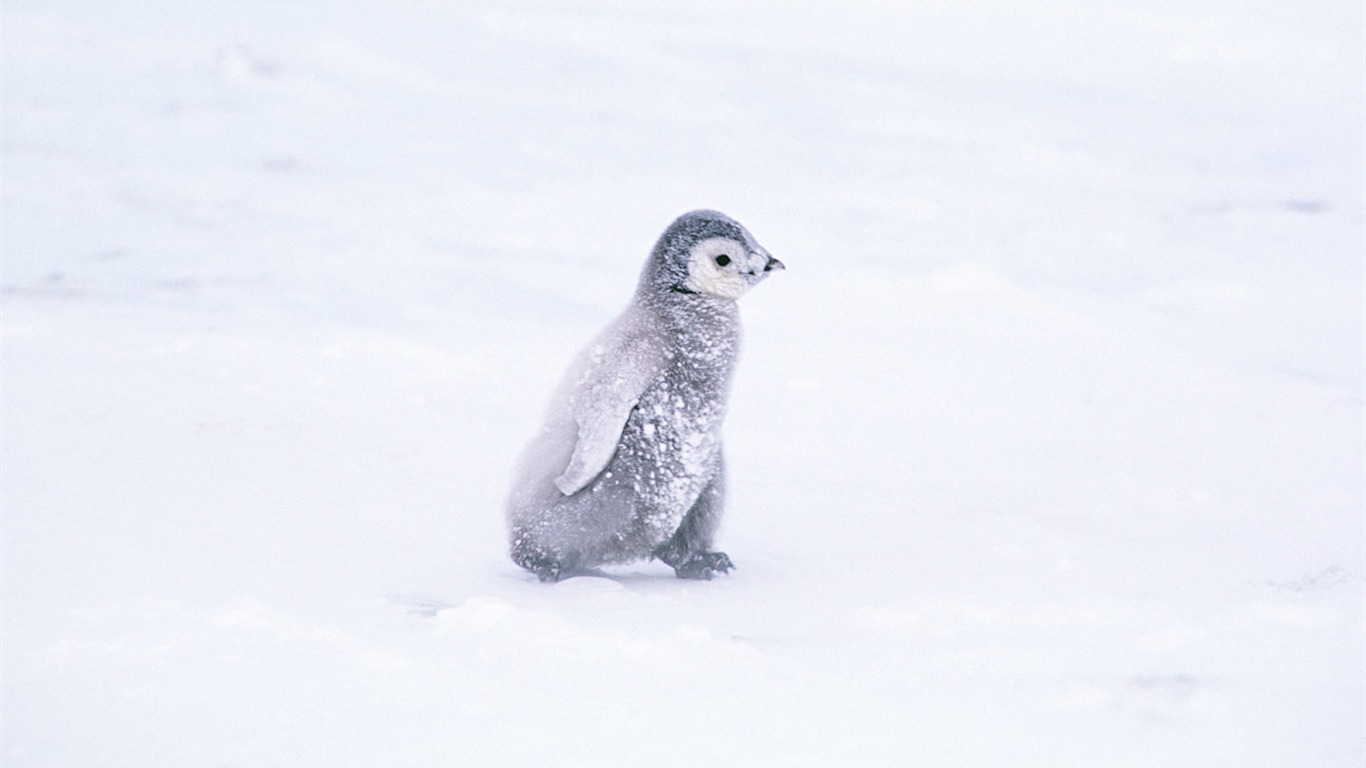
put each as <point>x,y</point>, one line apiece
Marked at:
<point>722,267</point>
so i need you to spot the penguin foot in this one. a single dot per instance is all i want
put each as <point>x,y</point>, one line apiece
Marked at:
<point>704,565</point>
<point>544,565</point>
<point>550,572</point>
<point>557,572</point>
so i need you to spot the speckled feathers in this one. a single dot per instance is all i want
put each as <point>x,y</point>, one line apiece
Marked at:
<point>629,463</point>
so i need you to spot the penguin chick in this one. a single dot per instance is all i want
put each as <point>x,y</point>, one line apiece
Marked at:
<point>628,465</point>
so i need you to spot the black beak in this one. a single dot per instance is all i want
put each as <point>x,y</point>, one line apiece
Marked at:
<point>773,264</point>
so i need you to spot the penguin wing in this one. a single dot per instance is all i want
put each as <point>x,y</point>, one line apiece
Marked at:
<point>617,376</point>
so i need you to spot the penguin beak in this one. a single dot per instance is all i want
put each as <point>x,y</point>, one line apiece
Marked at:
<point>773,264</point>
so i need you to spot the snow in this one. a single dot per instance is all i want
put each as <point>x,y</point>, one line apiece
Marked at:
<point>1046,449</point>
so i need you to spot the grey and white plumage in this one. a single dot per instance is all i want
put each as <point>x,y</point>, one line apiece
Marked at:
<point>628,464</point>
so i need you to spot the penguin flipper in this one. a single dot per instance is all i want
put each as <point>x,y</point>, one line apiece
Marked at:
<point>610,393</point>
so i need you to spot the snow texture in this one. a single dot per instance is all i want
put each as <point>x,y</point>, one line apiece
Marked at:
<point>1047,449</point>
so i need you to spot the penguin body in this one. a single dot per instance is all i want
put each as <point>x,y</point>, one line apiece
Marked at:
<point>629,462</point>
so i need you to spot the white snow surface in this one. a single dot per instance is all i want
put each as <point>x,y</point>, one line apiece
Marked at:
<point>1046,449</point>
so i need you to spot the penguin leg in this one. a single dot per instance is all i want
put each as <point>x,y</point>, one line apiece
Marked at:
<point>688,551</point>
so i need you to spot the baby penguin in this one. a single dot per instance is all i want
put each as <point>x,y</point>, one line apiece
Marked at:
<point>628,465</point>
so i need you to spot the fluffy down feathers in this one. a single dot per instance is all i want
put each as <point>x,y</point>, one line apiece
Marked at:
<point>628,464</point>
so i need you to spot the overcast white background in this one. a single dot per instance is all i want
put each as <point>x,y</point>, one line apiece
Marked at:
<point>1046,449</point>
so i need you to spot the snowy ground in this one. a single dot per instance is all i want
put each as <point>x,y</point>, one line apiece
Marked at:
<point>1047,448</point>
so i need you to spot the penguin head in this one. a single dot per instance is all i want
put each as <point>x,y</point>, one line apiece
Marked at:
<point>707,253</point>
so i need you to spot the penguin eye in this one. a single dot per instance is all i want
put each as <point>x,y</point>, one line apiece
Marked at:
<point>722,260</point>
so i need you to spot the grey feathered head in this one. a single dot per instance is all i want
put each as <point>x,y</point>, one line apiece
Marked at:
<point>705,252</point>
